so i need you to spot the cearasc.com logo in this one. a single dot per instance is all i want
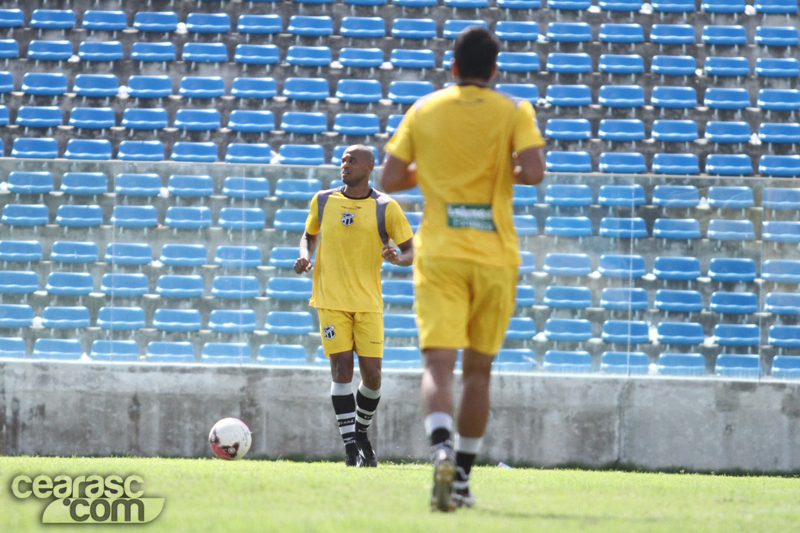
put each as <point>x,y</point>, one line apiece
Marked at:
<point>90,499</point>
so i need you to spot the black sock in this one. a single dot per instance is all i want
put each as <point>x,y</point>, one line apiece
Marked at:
<point>366,405</point>
<point>439,437</point>
<point>464,463</point>
<point>345,407</point>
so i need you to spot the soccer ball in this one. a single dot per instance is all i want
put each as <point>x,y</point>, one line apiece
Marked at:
<point>230,439</point>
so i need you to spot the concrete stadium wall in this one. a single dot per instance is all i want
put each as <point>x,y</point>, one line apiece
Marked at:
<point>85,409</point>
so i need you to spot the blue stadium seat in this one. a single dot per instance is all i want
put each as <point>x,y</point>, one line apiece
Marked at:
<point>224,353</point>
<point>25,215</point>
<point>362,91</point>
<point>302,190</point>
<point>9,49</point>
<point>170,352</point>
<point>570,265</point>
<point>74,252</point>
<point>20,251</point>
<point>189,186</point>
<point>623,228</point>
<point>738,366</point>
<point>241,219</point>
<point>727,66</point>
<point>362,28</point>
<point>624,363</point>
<point>731,230</point>
<point>124,285</point>
<point>779,165</point>
<point>621,6</point>
<point>778,36</point>
<point>521,329</point>
<point>784,67</point>
<point>621,33</point>
<point>524,225</point>
<point>528,264</point>
<point>569,95</point>
<point>779,133</point>
<point>88,149</point>
<point>12,18</point>
<point>673,65</point>
<point>180,286</point>
<point>679,164</point>
<point>232,321</point>
<point>204,52</point>
<point>96,20</point>
<point>183,255</point>
<point>197,119</point>
<point>628,300</point>
<point>400,326</point>
<point>302,122</point>
<point>676,228</point>
<point>49,50</point>
<point>292,220</point>
<point>93,51</point>
<point>283,257</point>
<point>727,132</point>
<point>18,282</point>
<point>727,98</point>
<point>177,320</point>
<point>571,227</point>
<point>784,336</point>
<point>21,182</point>
<point>65,317</point>
<point>417,29</point>
<point>289,323</point>
<point>519,4</point>
<point>249,24</point>
<point>69,284</point>
<point>129,254</point>
<point>630,196</point>
<point>737,335</point>
<point>155,22</point>
<point>781,231</point>
<point>58,349</point>
<point>776,7</point>
<point>567,362</point>
<point>622,163</point>
<point>673,6</point>
<point>567,330</point>
<point>19,316</point>
<point>310,26</point>
<point>517,31</point>
<point>195,152</point>
<point>141,151</point>
<point>672,34</point>
<point>208,23</point>
<point>282,354</point>
<point>356,124</point>
<point>678,301</point>
<point>568,129</point>
<point>79,216</point>
<point>558,161</point>
<point>408,92</point>
<point>452,27</point>
<point>674,131</point>
<point>137,185</point>
<point>92,118</point>
<point>289,289</point>
<point>250,54</point>
<point>120,318</point>
<point>729,165</point>
<point>676,196</point>
<point>732,270</point>
<point>511,360</point>
<point>309,56</point>
<point>621,96</point>
<point>39,117</point>
<point>569,32</point>
<point>134,216</point>
<point>680,333</point>
<point>201,87</point>
<point>236,287</point>
<point>35,148</point>
<point>256,88</point>
<point>621,64</point>
<point>621,266</point>
<point>181,217</point>
<point>249,153</point>
<point>786,366</point>
<point>525,91</point>
<point>524,196</point>
<point>561,63</point>
<point>676,268</point>
<point>621,130</point>
<point>733,303</point>
<point>625,332</point>
<point>673,97</point>
<point>115,351</point>
<point>147,52</point>
<point>43,83</point>
<point>563,297</point>
<point>149,86</point>
<point>723,7</point>
<point>248,188</point>
<point>720,35</point>
<point>781,199</point>
<point>681,364</point>
<point>361,57</point>
<point>730,197</point>
<point>401,357</point>
<point>400,292</point>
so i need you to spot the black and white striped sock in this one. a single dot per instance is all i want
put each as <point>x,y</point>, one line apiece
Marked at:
<point>344,404</point>
<point>366,405</point>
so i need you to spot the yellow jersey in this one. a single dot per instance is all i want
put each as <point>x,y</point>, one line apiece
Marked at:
<point>462,139</point>
<point>347,273</point>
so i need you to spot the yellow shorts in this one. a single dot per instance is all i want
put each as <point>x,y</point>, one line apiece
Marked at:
<point>460,304</point>
<point>344,330</point>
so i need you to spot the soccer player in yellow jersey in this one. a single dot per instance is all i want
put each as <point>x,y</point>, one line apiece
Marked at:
<point>464,146</point>
<point>356,223</point>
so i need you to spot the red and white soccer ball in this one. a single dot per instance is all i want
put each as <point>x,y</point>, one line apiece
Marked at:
<point>230,439</point>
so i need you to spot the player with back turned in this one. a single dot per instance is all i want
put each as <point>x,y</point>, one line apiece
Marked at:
<point>464,146</point>
<point>355,223</point>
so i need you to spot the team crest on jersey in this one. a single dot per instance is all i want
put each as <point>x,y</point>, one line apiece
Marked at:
<point>347,219</point>
<point>328,332</point>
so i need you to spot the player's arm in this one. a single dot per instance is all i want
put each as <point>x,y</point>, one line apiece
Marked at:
<point>398,175</point>
<point>404,258</point>
<point>529,166</point>
<point>308,245</point>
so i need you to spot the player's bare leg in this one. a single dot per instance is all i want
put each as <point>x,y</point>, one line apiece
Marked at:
<point>437,402</point>
<point>473,413</point>
<point>344,403</point>
<point>367,398</point>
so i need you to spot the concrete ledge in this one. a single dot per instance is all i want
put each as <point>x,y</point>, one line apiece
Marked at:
<point>53,408</point>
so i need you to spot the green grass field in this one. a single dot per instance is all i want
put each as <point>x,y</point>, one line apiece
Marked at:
<point>282,496</point>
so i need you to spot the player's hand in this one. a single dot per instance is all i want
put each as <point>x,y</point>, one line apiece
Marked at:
<point>389,253</point>
<point>302,265</point>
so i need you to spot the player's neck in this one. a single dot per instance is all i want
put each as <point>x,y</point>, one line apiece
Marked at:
<point>357,192</point>
<point>477,82</point>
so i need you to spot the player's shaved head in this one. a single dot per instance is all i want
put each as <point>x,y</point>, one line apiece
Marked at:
<point>357,164</point>
<point>363,153</point>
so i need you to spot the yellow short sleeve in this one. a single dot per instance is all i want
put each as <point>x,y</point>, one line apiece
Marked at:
<point>397,225</point>
<point>312,222</point>
<point>401,145</point>
<point>526,133</point>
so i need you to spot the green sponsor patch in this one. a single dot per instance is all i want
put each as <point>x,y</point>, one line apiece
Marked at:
<point>476,216</point>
